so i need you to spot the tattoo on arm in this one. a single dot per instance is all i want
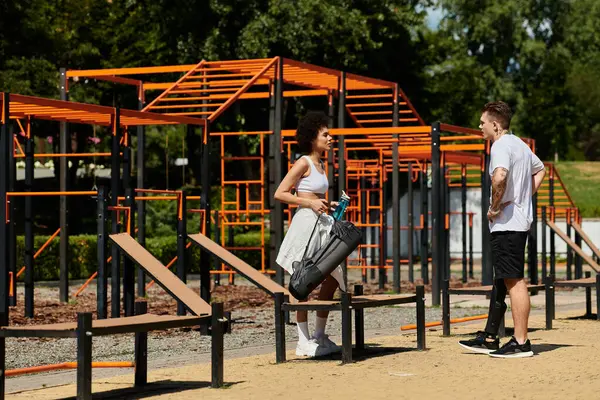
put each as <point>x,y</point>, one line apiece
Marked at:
<point>498,187</point>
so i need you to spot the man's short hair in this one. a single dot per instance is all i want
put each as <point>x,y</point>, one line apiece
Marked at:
<point>500,111</point>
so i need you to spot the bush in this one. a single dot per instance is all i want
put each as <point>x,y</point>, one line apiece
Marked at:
<point>82,258</point>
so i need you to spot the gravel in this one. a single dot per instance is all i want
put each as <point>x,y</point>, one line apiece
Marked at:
<point>251,327</point>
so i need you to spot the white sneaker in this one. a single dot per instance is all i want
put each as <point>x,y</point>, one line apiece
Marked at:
<point>311,348</point>
<point>329,344</point>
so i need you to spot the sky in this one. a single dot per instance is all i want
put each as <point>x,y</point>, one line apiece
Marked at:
<point>434,15</point>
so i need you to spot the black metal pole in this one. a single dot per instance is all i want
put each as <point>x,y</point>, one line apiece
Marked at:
<point>128,265</point>
<point>411,224</point>
<point>363,218</point>
<point>29,244</point>
<point>182,256</point>
<point>115,182</point>
<point>447,222</point>
<point>205,257</point>
<point>84,356</point>
<point>533,232</point>
<point>373,215</point>
<point>382,234</point>
<point>436,214</point>
<point>141,349</point>
<point>471,272</point>
<point>443,236</point>
<point>271,184</point>
<point>4,159</point>
<point>396,200</point>
<point>552,235</point>
<point>330,156</point>
<point>277,217</point>
<point>544,270</point>
<point>359,321</point>
<point>341,123</point>
<point>578,258</point>
<point>102,280</point>
<point>12,234</point>
<point>424,227</point>
<point>569,251</point>
<point>65,140</point>
<point>141,184</point>
<point>463,198</point>
<point>486,259</point>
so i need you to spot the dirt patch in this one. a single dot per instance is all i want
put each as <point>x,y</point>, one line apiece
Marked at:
<point>563,367</point>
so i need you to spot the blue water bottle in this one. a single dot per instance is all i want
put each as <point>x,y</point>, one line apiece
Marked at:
<point>341,208</point>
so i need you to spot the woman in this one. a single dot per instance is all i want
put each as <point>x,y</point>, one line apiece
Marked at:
<point>310,180</point>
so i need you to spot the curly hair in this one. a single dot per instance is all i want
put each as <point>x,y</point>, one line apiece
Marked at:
<point>499,111</point>
<point>308,129</point>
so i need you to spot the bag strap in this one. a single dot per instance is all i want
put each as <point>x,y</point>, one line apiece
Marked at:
<point>311,236</point>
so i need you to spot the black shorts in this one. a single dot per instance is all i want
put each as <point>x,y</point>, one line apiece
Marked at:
<point>508,254</point>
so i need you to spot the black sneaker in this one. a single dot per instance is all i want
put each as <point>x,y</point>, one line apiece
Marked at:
<point>513,349</point>
<point>480,344</point>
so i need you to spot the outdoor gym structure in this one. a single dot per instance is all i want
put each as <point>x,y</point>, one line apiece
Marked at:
<point>378,134</point>
<point>388,137</point>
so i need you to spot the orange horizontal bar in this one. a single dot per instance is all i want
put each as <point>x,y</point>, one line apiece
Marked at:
<point>439,323</point>
<point>52,155</point>
<point>373,121</point>
<point>369,96</point>
<point>67,365</point>
<point>459,129</point>
<point>130,70</point>
<point>26,194</point>
<point>370,131</point>
<point>369,105</point>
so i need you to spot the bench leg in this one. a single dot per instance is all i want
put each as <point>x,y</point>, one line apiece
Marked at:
<point>84,356</point>
<point>346,328</point>
<point>279,328</point>
<point>421,345</point>
<point>359,321</point>
<point>598,297</point>
<point>141,349</point>
<point>588,297</point>
<point>549,284</point>
<point>446,308</point>
<point>217,329</point>
<point>2,358</point>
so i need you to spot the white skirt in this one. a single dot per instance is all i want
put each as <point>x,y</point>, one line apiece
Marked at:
<point>294,244</point>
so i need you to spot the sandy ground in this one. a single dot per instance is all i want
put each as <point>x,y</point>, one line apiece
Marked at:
<point>565,366</point>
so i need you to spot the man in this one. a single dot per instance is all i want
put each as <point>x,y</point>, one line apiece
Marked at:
<point>516,174</point>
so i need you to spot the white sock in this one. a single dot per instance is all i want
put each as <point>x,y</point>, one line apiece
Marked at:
<point>303,335</point>
<point>320,327</point>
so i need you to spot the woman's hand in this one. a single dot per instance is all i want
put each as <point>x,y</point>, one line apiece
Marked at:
<point>333,205</point>
<point>319,205</point>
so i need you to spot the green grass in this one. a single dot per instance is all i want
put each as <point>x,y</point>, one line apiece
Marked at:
<point>582,180</point>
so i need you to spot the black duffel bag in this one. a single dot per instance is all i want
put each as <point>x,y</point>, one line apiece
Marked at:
<point>343,239</point>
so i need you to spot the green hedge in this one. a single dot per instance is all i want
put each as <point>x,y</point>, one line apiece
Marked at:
<point>83,254</point>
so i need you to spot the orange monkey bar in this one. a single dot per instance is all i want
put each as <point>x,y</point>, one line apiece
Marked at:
<point>67,111</point>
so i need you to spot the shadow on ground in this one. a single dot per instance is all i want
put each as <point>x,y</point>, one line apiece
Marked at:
<point>152,389</point>
<point>370,351</point>
<point>588,316</point>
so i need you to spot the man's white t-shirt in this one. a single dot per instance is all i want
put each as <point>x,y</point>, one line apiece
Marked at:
<point>516,157</point>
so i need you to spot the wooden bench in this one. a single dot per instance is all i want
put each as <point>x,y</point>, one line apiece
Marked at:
<point>85,328</point>
<point>485,290</point>
<point>588,283</point>
<point>285,302</point>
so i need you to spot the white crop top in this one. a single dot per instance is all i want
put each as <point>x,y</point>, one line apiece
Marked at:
<point>315,182</point>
